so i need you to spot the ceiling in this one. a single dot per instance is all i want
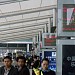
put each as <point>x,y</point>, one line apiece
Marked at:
<point>24,19</point>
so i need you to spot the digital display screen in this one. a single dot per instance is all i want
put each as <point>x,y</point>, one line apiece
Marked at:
<point>51,55</point>
<point>50,40</point>
<point>68,18</point>
<point>68,60</point>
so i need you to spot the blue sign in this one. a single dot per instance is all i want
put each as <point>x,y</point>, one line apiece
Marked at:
<point>51,55</point>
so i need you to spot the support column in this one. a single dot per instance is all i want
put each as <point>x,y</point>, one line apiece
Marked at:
<point>37,39</point>
<point>45,28</point>
<point>54,17</point>
<point>39,36</point>
<point>27,47</point>
<point>34,39</point>
<point>42,31</point>
<point>49,25</point>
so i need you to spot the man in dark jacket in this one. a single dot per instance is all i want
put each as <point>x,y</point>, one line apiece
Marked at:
<point>44,68</point>
<point>22,68</point>
<point>8,69</point>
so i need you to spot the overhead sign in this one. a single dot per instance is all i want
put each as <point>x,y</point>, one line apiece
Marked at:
<point>48,40</point>
<point>66,18</point>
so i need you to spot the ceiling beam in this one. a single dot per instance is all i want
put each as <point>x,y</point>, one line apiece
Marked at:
<point>18,37</point>
<point>22,30</point>
<point>3,2</point>
<point>27,11</point>
<point>22,33</point>
<point>9,40</point>
<point>13,27</point>
<point>25,20</point>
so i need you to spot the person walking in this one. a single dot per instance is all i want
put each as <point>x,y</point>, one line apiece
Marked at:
<point>22,68</point>
<point>7,68</point>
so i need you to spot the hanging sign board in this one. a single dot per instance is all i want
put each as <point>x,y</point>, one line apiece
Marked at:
<point>48,40</point>
<point>66,18</point>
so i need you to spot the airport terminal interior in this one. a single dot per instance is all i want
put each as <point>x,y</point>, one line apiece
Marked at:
<point>39,28</point>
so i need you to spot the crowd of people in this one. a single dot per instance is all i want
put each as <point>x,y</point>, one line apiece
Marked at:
<point>23,64</point>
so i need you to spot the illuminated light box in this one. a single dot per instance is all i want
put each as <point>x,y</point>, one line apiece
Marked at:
<point>66,18</point>
<point>48,40</point>
<point>65,57</point>
<point>51,55</point>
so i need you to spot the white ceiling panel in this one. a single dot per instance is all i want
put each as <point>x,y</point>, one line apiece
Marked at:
<point>30,15</point>
<point>44,13</point>
<point>14,18</point>
<point>30,29</point>
<point>19,36</point>
<point>14,24</point>
<point>2,2</point>
<point>9,7</point>
<point>30,4</point>
<point>22,38</point>
<point>48,2</point>
<point>2,20</point>
<point>44,20</point>
<point>20,25</point>
<point>26,20</point>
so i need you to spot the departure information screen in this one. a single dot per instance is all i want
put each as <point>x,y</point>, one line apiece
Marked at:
<point>50,39</point>
<point>68,17</point>
<point>68,60</point>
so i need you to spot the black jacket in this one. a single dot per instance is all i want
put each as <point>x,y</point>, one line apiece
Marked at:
<point>12,71</point>
<point>50,72</point>
<point>24,71</point>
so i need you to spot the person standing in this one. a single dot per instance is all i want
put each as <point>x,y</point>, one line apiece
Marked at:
<point>22,68</point>
<point>8,69</point>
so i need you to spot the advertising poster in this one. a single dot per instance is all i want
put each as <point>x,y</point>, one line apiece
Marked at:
<point>51,55</point>
<point>68,17</point>
<point>68,60</point>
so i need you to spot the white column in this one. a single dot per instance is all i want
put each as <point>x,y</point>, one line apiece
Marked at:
<point>27,47</point>
<point>34,39</point>
<point>42,31</point>
<point>45,29</point>
<point>39,36</point>
<point>49,25</point>
<point>54,17</point>
<point>37,39</point>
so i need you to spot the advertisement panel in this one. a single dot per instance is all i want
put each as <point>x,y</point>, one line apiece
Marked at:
<point>51,55</point>
<point>66,57</point>
<point>66,18</point>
